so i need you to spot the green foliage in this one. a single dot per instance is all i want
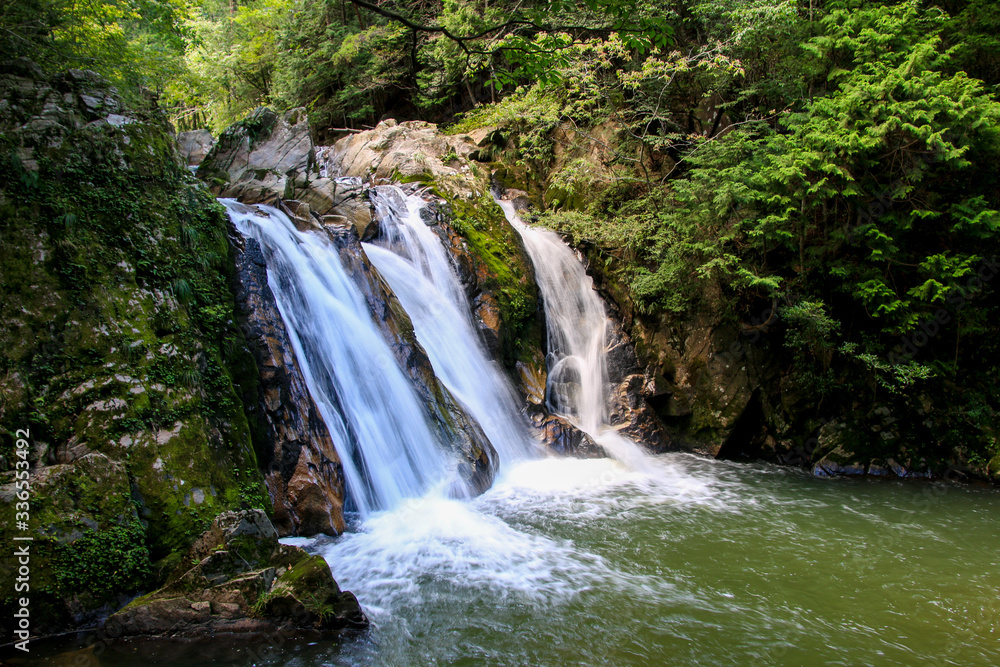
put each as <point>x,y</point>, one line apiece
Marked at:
<point>852,182</point>
<point>134,43</point>
<point>104,564</point>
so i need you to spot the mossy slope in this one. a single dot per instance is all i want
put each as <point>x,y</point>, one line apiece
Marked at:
<point>117,343</point>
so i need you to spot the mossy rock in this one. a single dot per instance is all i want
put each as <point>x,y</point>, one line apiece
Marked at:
<point>504,271</point>
<point>117,333</point>
<point>238,578</point>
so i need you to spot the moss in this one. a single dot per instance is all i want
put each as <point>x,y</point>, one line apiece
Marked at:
<point>505,272</point>
<point>309,581</point>
<point>104,563</point>
<point>110,358</point>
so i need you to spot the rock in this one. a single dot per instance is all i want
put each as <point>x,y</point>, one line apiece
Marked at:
<point>620,353</point>
<point>562,438</point>
<point>532,378</point>
<point>631,415</point>
<point>412,150</point>
<point>497,275</point>
<point>195,145</point>
<point>486,313</point>
<point>238,578</point>
<point>304,475</point>
<point>262,158</point>
<point>269,159</point>
<point>300,214</point>
<point>145,434</point>
<point>346,200</point>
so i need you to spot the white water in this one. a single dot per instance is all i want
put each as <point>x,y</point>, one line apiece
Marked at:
<point>375,417</point>
<point>576,322</point>
<point>416,549</point>
<point>678,560</point>
<point>411,258</point>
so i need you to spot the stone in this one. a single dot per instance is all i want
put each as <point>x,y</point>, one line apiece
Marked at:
<point>195,145</point>
<point>486,314</point>
<point>262,158</point>
<point>237,578</point>
<point>412,150</point>
<point>560,437</point>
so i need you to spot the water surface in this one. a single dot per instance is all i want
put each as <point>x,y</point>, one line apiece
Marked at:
<point>569,562</point>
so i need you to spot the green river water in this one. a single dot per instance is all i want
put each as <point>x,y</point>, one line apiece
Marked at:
<point>692,562</point>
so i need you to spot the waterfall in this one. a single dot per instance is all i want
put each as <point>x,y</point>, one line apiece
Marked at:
<point>372,411</point>
<point>412,259</point>
<point>576,322</point>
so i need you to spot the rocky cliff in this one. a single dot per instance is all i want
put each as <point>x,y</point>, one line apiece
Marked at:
<point>120,350</point>
<point>270,158</point>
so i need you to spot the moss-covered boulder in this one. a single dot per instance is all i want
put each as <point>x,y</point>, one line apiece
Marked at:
<point>237,578</point>
<point>118,345</point>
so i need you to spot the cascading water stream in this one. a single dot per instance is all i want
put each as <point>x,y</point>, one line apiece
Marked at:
<point>577,324</point>
<point>365,399</point>
<point>688,561</point>
<point>410,256</point>
<point>433,551</point>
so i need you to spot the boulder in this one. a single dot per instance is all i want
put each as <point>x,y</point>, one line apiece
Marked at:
<point>560,437</point>
<point>194,145</point>
<point>268,158</point>
<point>344,201</point>
<point>262,158</point>
<point>411,151</point>
<point>237,578</point>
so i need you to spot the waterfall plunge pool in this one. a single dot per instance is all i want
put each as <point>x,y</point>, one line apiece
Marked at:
<point>695,562</point>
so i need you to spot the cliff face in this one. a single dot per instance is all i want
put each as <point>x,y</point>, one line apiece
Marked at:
<point>305,478</point>
<point>120,351</point>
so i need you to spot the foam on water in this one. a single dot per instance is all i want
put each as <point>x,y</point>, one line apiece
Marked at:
<point>493,546</point>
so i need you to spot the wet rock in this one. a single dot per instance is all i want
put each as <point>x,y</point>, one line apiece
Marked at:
<point>346,200</point>
<point>631,415</point>
<point>305,478</point>
<point>699,374</point>
<point>238,578</point>
<point>532,378</point>
<point>620,353</point>
<point>195,145</point>
<point>300,214</point>
<point>562,438</point>
<point>486,312</point>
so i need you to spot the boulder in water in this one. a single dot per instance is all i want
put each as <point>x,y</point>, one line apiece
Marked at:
<point>560,437</point>
<point>238,578</point>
